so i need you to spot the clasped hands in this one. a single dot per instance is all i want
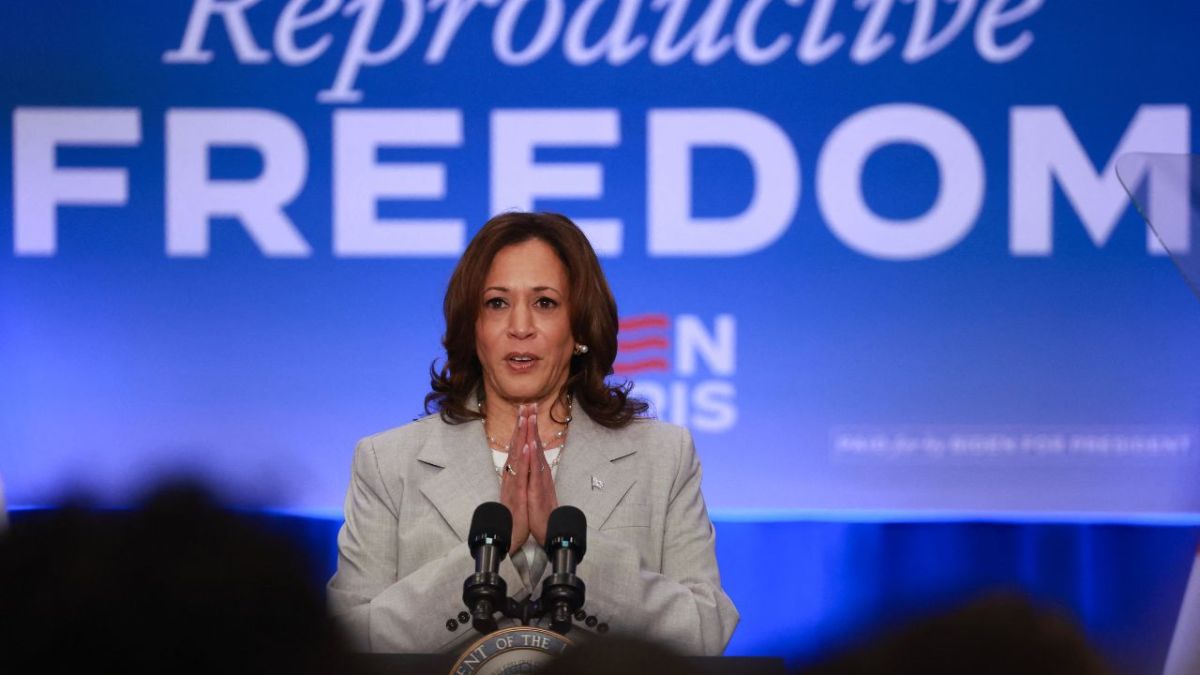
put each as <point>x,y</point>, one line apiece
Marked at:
<point>527,483</point>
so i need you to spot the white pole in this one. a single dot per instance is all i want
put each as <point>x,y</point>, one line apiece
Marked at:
<point>1183,658</point>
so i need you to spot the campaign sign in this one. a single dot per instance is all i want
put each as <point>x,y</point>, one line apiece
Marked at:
<point>874,254</point>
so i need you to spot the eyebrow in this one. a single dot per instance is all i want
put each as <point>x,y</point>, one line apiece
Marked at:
<point>536,289</point>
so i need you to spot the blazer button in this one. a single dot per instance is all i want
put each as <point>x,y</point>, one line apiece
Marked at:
<point>580,615</point>
<point>591,622</point>
<point>451,625</point>
<point>602,628</point>
<point>463,618</point>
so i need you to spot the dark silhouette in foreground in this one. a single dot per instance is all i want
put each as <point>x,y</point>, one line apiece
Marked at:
<point>999,634</point>
<point>176,585</point>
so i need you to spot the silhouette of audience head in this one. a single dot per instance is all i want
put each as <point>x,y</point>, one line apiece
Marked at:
<point>176,585</point>
<point>998,634</point>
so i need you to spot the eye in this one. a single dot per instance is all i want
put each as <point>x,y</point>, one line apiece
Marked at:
<point>545,303</point>
<point>495,303</point>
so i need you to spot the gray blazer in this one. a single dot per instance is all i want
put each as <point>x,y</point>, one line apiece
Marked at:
<point>650,566</point>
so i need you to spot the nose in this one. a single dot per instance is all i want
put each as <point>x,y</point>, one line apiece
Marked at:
<point>520,322</point>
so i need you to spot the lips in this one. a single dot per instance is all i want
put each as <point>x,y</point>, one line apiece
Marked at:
<point>521,360</point>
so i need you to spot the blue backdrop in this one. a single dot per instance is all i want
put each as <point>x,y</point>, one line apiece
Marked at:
<point>873,254</point>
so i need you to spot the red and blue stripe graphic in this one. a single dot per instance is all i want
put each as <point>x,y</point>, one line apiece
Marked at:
<point>642,344</point>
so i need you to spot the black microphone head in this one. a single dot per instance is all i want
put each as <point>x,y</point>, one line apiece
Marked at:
<point>491,524</point>
<point>567,527</point>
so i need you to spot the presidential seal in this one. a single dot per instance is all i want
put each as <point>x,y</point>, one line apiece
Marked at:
<point>521,649</point>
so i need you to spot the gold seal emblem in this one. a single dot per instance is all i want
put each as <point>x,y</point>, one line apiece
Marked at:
<point>520,649</point>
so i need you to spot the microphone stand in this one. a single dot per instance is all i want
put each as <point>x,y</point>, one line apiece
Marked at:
<point>562,592</point>
<point>529,610</point>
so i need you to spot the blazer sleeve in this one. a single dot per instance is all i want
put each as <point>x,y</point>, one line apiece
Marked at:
<point>682,605</point>
<point>381,609</point>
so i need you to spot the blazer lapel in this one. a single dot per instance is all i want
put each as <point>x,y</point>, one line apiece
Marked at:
<point>589,476</point>
<point>467,477</point>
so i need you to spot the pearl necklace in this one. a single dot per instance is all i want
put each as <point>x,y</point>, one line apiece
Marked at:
<point>558,435</point>
<point>553,464</point>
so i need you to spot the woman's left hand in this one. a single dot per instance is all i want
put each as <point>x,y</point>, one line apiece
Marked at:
<point>541,498</point>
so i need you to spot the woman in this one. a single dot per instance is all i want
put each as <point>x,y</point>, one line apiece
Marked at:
<point>531,334</point>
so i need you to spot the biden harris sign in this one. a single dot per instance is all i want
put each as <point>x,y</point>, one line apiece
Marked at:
<point>874,253</point>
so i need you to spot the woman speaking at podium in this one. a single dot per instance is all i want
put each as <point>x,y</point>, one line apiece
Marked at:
<point>521,413</point>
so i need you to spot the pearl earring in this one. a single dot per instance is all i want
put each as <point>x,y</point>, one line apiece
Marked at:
<point>580,349</point>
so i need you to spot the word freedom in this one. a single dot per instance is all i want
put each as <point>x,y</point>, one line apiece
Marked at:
<point>590,34</point>
<point>1045,154</point>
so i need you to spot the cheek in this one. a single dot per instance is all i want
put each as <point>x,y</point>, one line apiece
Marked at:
<point>483,340</point>
<point>558,331</point>
<point>565,342</point>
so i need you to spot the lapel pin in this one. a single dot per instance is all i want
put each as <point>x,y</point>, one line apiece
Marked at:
<point>597,484</point>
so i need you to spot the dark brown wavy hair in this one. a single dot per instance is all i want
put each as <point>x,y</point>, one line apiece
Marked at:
<point>593,322</point>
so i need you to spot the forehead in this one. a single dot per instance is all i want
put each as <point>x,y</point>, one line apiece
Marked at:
<point>530,263</point>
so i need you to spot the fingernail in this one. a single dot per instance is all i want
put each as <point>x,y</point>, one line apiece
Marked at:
<point>525,450</point>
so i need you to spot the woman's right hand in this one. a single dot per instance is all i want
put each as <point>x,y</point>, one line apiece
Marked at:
<point>514,488</point>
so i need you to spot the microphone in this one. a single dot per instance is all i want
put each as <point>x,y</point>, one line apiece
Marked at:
<point>566,542</point>
<point>485,591</point>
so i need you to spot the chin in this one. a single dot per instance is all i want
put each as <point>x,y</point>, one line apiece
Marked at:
<point>522,394</point>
